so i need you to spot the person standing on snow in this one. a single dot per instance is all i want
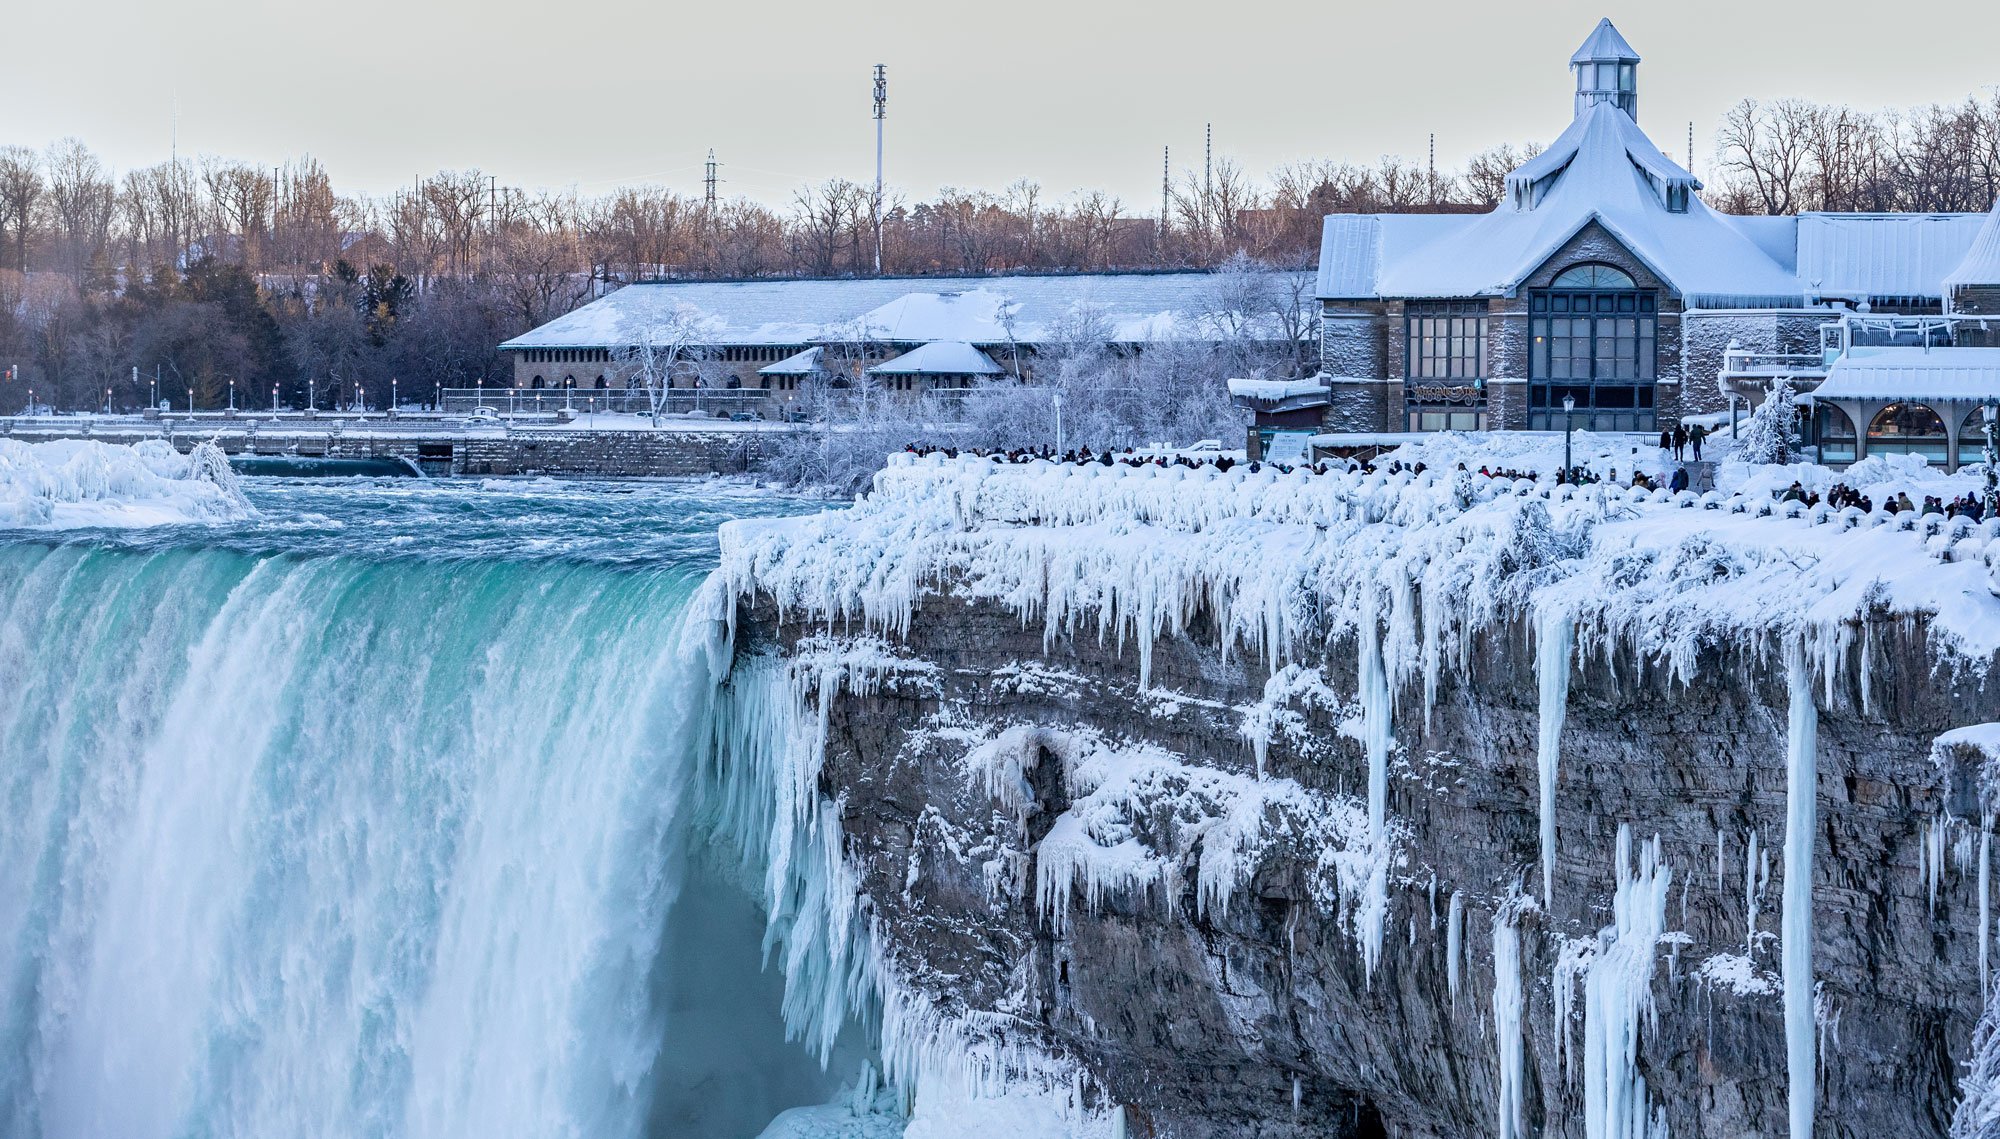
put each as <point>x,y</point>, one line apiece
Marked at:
<point>1695,435</point>
<point>1680,442</point>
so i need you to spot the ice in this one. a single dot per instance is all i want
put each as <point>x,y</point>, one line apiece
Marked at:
<point>1750,894</point>
<point>1454,937</point>
<point>1617,974</point>
<point>1509,1043</point>
<point>1553,641</point>
<point>74,484</point>
<point>1801,812</point>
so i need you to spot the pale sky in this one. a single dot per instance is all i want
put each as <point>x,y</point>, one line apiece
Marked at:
<point>1072,93</point>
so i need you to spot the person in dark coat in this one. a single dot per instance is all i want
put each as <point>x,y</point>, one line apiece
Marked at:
<point>1695,435</point>
<point>1666,440</point>
<point>1679,481</point>
<point>1680,442</point>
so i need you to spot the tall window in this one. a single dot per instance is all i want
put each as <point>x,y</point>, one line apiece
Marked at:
<point>1594,340</point>
<point>1445,371</point>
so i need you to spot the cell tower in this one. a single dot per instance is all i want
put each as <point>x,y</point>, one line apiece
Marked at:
<point>1690,146</point>
<point>708,181</point>
<point>1166,185</point>
<point>1432,169</point>
<point>881,104</point>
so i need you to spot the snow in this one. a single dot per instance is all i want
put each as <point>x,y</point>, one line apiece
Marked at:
<point>74,484</point>
<point>1454,942</point>
<point>940,358</point>
<point>1981,265</point>
<point>984,311</point>
<point>1738,974</point>
<point>1801,812</point>
<point>1604,42</point>
<point>797,364</point>
<point>1913,373</point>
<point>1275,390</point>
<point>1882,254</point>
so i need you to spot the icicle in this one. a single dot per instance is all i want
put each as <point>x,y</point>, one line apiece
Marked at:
<point>1375,733</point>
<point>1618,994</point>
<point>1298,1097</point>
<point>1985,920</point>
<point>1750,893</point>
<point>1554,637</point>
<point>1454,932</point>
<point>1801,799</point>
<point>1507,1021</point>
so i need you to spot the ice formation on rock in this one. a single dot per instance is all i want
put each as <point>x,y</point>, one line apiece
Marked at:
<point>1509,1044</point>
<point>1554,637</point>
<point>75,483</point>
<point>1801,813</point>
<point>1617,977</point>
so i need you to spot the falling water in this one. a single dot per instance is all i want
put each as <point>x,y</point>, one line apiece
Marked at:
<point>379,842</point>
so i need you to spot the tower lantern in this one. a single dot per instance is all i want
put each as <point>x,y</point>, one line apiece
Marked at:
<point>1607,71</point>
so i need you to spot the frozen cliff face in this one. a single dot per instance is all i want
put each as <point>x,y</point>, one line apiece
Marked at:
<point>1173,794</point>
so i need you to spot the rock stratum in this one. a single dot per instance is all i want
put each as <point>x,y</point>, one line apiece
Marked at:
<point>1189,803</point>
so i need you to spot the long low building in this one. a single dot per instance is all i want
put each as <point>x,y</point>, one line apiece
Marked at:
<point>915,332</point>
<point>1602,279</point>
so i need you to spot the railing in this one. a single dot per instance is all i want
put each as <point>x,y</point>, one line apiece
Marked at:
<point>1773,364</point>
<point>504,402</point>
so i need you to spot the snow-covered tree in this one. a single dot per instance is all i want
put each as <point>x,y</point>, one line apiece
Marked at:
<point>663,348</point>
<point>1772,434</point>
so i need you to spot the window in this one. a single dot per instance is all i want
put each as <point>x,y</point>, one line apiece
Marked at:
<point>1907,429</point>
<point>1447,340</point>
<point>1592,339</point>
<point>1593,276</point>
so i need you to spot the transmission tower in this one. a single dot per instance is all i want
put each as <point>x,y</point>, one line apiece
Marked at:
<point>708,181</point>
<point>881,105</point>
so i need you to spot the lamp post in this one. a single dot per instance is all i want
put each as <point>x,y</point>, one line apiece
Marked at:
<point>392,393</point>
<point>274,401</point>
<point>358,408</point>
<point>232,395</point>
<point>437,397</point>
<point>1569,423</point>
<point>190,401</point>
<point>312,393</point>
<point>1056,398</point>
<point>107,401</point>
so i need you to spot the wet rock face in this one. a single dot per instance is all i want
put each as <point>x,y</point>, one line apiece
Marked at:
<point>1261,1020</point>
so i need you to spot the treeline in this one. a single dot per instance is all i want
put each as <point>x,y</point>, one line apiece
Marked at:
<point>202,272</point>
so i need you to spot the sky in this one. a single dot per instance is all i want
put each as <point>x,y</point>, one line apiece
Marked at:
<point>1074,94</point>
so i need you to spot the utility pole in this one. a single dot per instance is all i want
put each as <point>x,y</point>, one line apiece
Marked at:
<point>1690,146</point>
<point>709,180</point>
<point>881,103</point>
<point>1432,171</point>
<point>1166,186</point>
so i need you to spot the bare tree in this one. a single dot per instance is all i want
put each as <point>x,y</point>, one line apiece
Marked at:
<point>82,203</point>
<point>21,190</point>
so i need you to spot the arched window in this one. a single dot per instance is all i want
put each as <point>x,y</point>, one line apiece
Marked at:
<point>1907,429</point>
<point>1593,276</point>
<point>602,382</point>
<point>538,381</point>
<point>1972,435</point>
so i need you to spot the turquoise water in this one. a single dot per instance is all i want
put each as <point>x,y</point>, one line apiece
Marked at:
<point>371,817</point>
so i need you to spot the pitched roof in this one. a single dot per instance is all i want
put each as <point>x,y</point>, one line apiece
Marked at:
<point>1604,42</point>
<point>939,358</point>
<point>797,364</point>
<point>1881,255</point>
<point>1602,169</point>
<point>1137,307</point>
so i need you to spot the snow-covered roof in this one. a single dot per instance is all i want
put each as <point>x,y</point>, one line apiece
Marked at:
<point>1981,265</point>
<point>1604,42</point>
<point>797,364</point>
<point>1914,374</point>
<point>1278,389</point>
<point>1135,307</point>
<point>1603,169</point>
<point>1881,255</point>
<point>940,358</point>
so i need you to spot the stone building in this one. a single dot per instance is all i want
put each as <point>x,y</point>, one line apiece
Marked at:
<point>910,334</point>
<point>1602,278</point>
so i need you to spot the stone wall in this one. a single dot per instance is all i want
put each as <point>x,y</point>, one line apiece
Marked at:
<point>1260,1021</point>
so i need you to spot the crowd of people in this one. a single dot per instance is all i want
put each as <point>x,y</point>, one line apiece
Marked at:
<point>1681,439</point>
<point>1840,496</point>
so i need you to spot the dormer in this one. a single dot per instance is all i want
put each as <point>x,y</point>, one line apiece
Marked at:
<point>1607,71</point>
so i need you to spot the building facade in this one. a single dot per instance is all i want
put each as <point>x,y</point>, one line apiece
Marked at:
<point>1604,283</point>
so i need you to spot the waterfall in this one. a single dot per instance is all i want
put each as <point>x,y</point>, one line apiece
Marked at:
<point>1801,811</point>
<point>344,846</point>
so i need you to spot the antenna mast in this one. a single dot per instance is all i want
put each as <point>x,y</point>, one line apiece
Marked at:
<point>1166,186</point>
<point>881,102</point>
<point>1433,169</point>
<point>1690,146</point>
<point>709,180</point>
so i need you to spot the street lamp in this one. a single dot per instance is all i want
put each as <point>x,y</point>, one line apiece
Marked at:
<point>190,401</point>
<point>312,393</point>
<point>357,398</point>
<point>232,395</point>
<point>274,401</point>
<point>107,401</point>
<point>1569,422</point>
<point>392,393</point>
<point>437,397</point>
<point>1056,398</point>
